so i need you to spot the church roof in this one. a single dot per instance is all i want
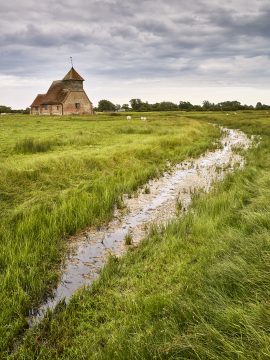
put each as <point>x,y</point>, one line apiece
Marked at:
<point>38,100</point>
<point>73,75</point>
<point>55,95</point>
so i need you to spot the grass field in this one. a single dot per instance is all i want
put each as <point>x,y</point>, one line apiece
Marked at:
<point>58,175</point>
<point>197,290</point>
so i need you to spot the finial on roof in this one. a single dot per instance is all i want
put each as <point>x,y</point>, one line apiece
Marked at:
<point>71,61</point>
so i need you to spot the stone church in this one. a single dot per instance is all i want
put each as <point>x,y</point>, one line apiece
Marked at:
<point>64,97</point>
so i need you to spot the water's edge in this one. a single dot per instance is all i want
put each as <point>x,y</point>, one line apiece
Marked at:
<point>156,203</point>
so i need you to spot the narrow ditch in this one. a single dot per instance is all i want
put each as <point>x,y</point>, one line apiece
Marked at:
<point>156,203</point>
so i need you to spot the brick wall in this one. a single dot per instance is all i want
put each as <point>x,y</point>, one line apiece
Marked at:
<point>45,110</point>
<point>77,97</point>
<point>35,110</point>
<point>56,109</point>
<point>51,110</point>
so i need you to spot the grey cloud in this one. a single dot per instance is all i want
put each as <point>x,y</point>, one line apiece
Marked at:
<point>150,39</point>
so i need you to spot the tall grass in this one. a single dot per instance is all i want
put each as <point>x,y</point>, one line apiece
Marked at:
<point>198,289</point>
<point>46,196</point>
<point>29,145</point>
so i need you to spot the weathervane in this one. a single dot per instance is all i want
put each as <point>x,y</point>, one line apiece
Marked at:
<point>71,61</point>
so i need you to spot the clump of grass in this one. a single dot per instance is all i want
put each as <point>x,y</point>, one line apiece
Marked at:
<point>120,204</point>
<point>147,190</point>
<point>31,146</point>
<point>219,169</point>
<point>128,238</point>
<point>179,206</point>
<point>135,130</point>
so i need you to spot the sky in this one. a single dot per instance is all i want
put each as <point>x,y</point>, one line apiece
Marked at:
<point>155,50</point>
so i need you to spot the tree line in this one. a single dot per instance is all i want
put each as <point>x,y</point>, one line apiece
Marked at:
<point>139,105</point>
<point>8,110</point>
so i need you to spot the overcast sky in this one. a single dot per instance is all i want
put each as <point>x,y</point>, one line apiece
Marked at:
<point>152,49</point>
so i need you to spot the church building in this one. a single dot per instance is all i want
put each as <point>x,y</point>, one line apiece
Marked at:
<point>64,97</point>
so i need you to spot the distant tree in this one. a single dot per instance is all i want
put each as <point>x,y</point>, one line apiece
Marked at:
<point>167,106</point>
<point>26,111</point>
<point>185,105</point>
<point>207,105</point>
<point>106,105</point>
<point>5,109</point>
<point>145,106</point>
<point>139,105</point>
<point>229,105</point>
<point>155,107</point>
<point>125,107</point>
<point>136,104</point>
<point>259,106</point>
<point>197,108</point>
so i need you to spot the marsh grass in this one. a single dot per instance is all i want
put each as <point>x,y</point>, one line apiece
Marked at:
<point>128,238</point>
<point>147,190</point>
<point>31,146</point>
<point>120,204</point>
<point>84,169</point>
<point>198,289</point>
<point>179,206</point>
<point>134,130</point>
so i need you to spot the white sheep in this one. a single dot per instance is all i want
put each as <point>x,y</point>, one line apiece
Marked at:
<point>129,118</point>
<point>143,118</point>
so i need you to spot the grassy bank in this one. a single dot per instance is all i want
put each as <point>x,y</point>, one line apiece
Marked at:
<point>58,175</point>
<point>198,290</point>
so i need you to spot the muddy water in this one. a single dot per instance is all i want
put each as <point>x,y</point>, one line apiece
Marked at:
<point>156,205</point>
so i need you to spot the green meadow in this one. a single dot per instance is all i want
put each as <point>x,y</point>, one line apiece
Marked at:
<point>61,174</point>
<point>198,289</point>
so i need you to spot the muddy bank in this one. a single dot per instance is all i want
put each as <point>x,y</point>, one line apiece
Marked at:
<point>156,203</point>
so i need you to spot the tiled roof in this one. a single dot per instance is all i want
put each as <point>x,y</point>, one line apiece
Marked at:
<point>38,100</point>
<point>56,94</point>
<point>73,75</point>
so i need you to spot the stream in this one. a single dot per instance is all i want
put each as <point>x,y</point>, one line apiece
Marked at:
<point>156,203</point>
